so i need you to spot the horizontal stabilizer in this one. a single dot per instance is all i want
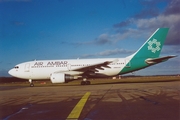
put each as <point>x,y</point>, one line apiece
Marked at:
<point>158,60</point>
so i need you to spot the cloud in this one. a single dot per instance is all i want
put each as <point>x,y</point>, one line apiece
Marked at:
<point>171,21</point>
<point>159,21</point>
<point>170,17</point>
<point>127,33</point>
<point>123,23</point>
<point>102,39</point>
<point>178,50</point>
<point>149,10</point>
<point>174,50</point>
<point>172,64</point>
<point>108,53</point>
<point>173,8</point>
<point>151,3</point>
<point>115,52</point>
<point>109,39</point>
<point>142,25</point>
<point>147,13</point>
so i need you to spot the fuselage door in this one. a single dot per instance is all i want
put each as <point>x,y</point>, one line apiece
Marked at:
<point>69,67</point>
<point>27,67</point>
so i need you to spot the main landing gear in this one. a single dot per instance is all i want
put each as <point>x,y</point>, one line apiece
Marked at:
<point>85,82</point>
<point>31,83</point>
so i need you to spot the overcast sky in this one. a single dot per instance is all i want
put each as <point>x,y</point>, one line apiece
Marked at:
<point>65,29</point>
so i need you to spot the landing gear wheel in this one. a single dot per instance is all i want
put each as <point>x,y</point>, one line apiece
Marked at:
<point>85,82</point>
<point>88,82</point>
<point>31,85</point>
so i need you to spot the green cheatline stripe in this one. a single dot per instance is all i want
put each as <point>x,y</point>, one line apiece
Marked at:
<point>75,113</point>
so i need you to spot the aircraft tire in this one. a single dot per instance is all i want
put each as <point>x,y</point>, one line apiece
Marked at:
<point>88,82</point>
<point>83,82</point>
<point>31,85</point>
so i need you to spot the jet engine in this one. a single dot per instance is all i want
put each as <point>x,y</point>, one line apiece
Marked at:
<point>60,78</point>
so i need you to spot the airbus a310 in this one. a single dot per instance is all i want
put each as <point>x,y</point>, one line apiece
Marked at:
<point>61,71</point>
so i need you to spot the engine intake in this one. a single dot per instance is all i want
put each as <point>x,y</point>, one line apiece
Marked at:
<point>60,78</point>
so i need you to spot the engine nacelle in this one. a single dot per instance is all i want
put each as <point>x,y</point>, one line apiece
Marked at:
<point>60,78</point>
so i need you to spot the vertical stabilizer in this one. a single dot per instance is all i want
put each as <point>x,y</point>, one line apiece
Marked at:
<point>153,46</point>
<point>149,50</point>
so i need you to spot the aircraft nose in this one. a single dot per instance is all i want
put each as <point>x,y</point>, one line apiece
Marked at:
<point>11,72</point>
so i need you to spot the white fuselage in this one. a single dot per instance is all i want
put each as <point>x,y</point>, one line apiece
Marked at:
<point>42,69</point>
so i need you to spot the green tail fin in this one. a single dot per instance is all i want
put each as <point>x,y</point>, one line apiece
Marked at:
<point>150,49</point>
<point>153,46</point>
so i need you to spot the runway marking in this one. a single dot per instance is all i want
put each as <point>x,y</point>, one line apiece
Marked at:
<point>75,113</point>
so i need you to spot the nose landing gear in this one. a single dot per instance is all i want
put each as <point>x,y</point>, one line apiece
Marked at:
<point>31,83</point>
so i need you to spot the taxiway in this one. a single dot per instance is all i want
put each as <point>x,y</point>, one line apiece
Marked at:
<point>125,101</point>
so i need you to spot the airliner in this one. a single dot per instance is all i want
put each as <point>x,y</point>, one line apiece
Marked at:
<point>63,71</point>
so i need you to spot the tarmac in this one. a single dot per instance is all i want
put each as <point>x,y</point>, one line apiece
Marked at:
<point>125,101</point>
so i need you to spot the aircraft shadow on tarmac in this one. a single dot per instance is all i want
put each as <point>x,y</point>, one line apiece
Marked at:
<point>127,82</point>
<point>71,83</point>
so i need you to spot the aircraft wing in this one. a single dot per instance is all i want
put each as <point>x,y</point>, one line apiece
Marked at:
<point>158,60</point>
<point>95,67</point>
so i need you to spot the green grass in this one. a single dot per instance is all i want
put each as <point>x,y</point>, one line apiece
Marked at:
<point>100,81</point>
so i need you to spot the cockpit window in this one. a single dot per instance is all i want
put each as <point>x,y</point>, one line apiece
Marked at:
<point>16,67</point>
